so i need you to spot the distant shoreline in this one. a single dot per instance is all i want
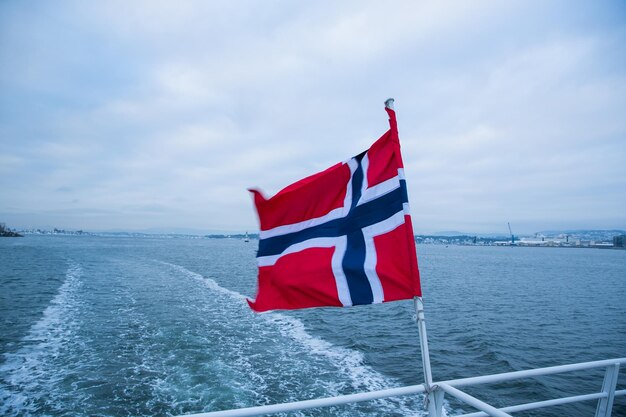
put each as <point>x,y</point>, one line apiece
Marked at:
<point>7,232</point>
<point>463,240</point>
<point>10,234</point>
<point>528,246</point>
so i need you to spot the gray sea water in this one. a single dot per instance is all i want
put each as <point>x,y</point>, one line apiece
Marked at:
<point>109,326</point>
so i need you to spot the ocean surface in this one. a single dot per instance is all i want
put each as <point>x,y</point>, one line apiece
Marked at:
<point>115,326</point>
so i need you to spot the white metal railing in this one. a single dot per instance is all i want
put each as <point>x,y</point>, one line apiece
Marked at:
<point>436,391</point>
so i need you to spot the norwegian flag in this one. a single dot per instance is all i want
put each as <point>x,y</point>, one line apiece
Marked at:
<point>340,237</point>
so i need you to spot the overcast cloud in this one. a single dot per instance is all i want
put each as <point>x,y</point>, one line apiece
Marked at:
<point>146,114</point>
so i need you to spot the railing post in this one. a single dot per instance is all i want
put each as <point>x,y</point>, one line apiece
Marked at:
<point>605,405</point>
<point>428,376</point>
<point>439,401</point>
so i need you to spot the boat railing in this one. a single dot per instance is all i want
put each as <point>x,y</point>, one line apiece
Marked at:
<point>435,394</point>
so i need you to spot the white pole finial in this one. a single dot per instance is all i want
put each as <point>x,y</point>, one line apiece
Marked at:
<point>389,103</point>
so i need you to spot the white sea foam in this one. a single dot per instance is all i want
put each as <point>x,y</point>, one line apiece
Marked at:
<point>208,282</point>
<point>25,376</point>
<point>348,362</point>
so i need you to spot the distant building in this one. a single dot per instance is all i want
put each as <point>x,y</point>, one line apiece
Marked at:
<point>619,241</point>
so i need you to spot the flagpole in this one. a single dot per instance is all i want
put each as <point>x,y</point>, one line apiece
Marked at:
<point>421,325</point>
<point>428,376</point>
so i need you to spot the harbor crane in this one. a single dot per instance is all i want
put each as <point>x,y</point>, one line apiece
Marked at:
<point>512,237</point>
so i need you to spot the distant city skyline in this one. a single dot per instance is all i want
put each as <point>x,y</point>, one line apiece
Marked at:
<point>144,115</point>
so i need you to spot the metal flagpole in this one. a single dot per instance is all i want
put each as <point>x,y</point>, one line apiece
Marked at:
<point>433,408</point>
<point>428,376</point>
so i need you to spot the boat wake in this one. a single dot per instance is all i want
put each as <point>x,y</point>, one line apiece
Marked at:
<point>303,359</point>
<point>28,375</point>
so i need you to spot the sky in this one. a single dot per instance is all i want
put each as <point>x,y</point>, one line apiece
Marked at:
<point>146,115</point>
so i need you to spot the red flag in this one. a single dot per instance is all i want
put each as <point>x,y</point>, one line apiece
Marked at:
<point>340,237</point>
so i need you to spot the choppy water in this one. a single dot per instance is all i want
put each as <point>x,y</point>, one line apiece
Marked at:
<point>97,326</point>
